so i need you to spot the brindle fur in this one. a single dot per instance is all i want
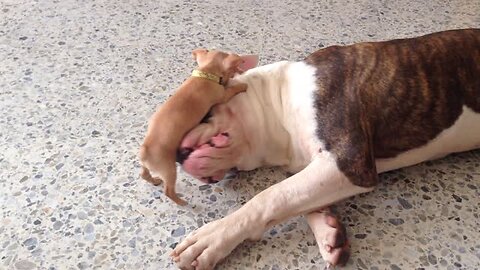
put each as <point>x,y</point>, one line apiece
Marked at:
<point>379,99</point>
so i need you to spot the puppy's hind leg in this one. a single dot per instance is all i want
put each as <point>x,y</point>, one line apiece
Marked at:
<point>144,156</point>
<point>145,174</point>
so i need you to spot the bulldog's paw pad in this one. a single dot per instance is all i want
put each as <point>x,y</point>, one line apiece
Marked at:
<point>331,238</point>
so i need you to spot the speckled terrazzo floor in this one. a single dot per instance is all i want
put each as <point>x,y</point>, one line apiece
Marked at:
<point>79,79</point>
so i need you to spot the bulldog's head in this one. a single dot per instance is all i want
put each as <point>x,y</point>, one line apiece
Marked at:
<point>216,146</point>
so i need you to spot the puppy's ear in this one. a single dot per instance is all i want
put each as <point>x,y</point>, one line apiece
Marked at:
<point>198,52</point>
<point>231,63</point>
<point>248,62</point>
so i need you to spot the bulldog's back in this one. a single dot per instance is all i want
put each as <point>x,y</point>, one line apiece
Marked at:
<point>406,92</point>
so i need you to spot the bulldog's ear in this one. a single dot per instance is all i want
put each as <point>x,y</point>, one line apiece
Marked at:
<point>248,62</point>
<point>198,52</point>
<point>240,64</point>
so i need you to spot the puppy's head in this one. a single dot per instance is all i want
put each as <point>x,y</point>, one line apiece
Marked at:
<point>223,64</point>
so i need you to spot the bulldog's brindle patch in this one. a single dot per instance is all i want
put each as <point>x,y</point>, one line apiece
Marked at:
<point>422,83</point>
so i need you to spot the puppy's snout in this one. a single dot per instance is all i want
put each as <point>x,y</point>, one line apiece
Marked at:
<point>183,154</point>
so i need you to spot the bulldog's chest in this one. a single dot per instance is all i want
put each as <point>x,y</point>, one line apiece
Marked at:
<point>299,111</point>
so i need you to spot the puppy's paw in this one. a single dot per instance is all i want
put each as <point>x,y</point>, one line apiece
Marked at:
<point>145,174</point>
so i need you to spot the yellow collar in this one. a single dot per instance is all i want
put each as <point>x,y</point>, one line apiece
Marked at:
<point>205,75</point>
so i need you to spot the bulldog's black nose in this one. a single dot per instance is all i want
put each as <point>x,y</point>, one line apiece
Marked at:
<point>210,180</point>
<point>182,154</point>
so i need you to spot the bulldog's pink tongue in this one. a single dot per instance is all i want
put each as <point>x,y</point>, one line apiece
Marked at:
<point>219,176</point>
<point>221,140</point>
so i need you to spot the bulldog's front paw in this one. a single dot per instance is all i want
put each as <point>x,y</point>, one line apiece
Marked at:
<point>204,248</point>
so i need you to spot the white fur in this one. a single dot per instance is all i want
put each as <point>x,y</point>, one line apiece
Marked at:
<point>299,117</point>
<point>464,135</point>
<point>261,106</point>
<point>283,94</point>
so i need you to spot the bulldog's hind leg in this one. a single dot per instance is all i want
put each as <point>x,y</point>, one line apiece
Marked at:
<point>330,235</point>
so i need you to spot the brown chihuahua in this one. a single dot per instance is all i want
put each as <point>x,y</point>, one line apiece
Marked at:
<point>185,109</point>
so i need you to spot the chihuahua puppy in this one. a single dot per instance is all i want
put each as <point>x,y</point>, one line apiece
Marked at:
<point>207,86</point>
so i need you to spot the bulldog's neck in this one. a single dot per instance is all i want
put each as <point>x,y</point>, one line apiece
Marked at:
<point>271,104</point>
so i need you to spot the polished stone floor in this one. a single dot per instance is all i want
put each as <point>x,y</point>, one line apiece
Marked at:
<point>79,79</point>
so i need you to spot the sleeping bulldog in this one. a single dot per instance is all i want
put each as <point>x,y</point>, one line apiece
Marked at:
<point>336,120</point>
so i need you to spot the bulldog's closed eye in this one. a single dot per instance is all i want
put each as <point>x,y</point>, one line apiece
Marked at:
<point>206,117</point>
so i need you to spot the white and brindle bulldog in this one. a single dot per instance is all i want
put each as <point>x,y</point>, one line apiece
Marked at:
<point>336,119</point>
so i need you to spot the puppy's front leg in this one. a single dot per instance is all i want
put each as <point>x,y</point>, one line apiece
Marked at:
<point>320,184</point>
<point>232,90</point>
